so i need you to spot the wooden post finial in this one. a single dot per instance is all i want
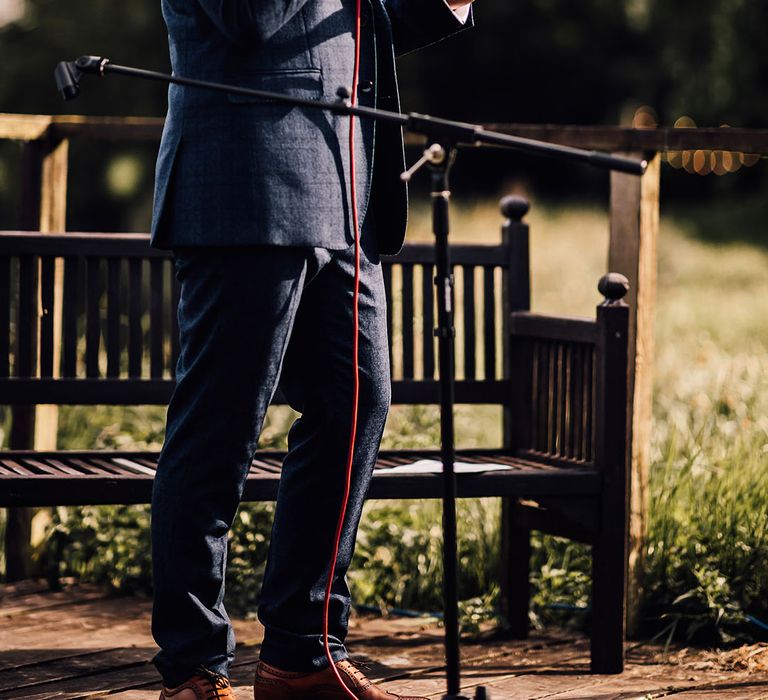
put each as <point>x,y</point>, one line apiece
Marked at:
<point>614,287</point>
<point>515,207</point>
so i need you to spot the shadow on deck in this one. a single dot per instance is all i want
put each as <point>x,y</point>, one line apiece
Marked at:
<point>82,643</point>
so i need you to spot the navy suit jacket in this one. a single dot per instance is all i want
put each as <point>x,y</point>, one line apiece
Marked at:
<point>235,170</point>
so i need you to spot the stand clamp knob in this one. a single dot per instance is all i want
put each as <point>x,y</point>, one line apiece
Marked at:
<point>435,155</point>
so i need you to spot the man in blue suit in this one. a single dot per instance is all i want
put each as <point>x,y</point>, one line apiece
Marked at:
<point>254,199</point>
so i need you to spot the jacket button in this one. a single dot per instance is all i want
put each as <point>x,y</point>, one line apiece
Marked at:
<point>365,86</point>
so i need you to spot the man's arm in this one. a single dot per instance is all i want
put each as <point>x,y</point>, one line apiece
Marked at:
<point>243,21</point>
<point>418,23</point>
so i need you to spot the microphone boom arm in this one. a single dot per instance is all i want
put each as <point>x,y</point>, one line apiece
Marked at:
<point>69,73</point>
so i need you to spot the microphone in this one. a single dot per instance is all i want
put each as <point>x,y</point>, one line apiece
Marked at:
<point>68,74</point>
<point>67,80</point>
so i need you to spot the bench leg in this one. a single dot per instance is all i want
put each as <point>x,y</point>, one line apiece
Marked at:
<point>18,524</point>
<point>18,550</point>
<point>608,614</point>
<point>515,571</point>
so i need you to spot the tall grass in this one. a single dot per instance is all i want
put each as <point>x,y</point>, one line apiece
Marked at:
<point>708,532</point>
<point>707,543</point>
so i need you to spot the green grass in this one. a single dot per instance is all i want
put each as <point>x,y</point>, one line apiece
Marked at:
<point>708,538</point>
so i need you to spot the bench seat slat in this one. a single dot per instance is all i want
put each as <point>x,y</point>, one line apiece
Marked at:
<point>260,467</point>
<point>66,468</point>
<point>152,464</point>
<point>114,466</point>
<point>84,478</point>
<point>135,466</point>
<point>16,468</point>
<point>90,468</point>
<point>42,466</point>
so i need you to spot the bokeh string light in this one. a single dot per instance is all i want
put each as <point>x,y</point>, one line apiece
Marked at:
<point>701,161</point>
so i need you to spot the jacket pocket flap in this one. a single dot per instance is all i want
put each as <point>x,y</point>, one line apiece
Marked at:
<point>307,83</point>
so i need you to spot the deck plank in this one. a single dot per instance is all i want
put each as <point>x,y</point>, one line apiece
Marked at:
<point>107,652</point>
<point>20,603</point>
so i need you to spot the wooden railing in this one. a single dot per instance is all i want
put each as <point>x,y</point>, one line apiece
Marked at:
<point>634,226</point>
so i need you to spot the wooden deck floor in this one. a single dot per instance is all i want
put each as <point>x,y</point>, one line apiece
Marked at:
<point>80,643</point>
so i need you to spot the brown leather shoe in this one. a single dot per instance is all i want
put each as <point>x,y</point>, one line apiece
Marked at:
<point>204,685</point>
<point>271,683</point>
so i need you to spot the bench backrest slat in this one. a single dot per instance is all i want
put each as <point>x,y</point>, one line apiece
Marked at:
<point>489,320</point>
<point>93,317</point>
<point>428,320</point>
<point>26,318</point>
<point>468,278</point>
<point>5,316</point>
<point>407,319</point>
<point>70,316</point>
<point>118,320</point>
<point>47,282</point>
<point>156,320</point>
<point>555,397</point>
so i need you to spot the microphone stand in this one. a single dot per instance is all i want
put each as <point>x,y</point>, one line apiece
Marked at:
<point>444,137</point>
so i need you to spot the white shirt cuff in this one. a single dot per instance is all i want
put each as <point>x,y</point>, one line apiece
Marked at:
<point>462,13</point>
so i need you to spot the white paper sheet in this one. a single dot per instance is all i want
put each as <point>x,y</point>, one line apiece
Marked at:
<point>433,466</point>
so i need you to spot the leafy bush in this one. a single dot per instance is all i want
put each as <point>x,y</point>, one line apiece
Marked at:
<point>105,544</point>
<point>398,560</point>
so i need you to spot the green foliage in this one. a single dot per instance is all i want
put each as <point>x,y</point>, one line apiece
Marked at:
<point>561,581</point>
<point>398,558</point>
<point>709,525</point>
<point>247,556</point>
<point>104,544</point>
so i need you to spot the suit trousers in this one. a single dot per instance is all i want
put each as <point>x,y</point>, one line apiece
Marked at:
<point>249,316</point>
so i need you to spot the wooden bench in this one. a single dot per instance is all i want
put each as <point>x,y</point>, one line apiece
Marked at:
<point>561,384</point>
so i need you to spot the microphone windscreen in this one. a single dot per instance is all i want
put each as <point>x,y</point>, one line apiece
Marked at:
<point>67,80</point>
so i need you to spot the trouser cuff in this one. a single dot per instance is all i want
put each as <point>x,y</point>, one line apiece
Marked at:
<point>299,653</point>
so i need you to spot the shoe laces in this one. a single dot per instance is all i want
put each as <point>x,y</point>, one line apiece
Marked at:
<point>218,681</point>
<point>352,668</point>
